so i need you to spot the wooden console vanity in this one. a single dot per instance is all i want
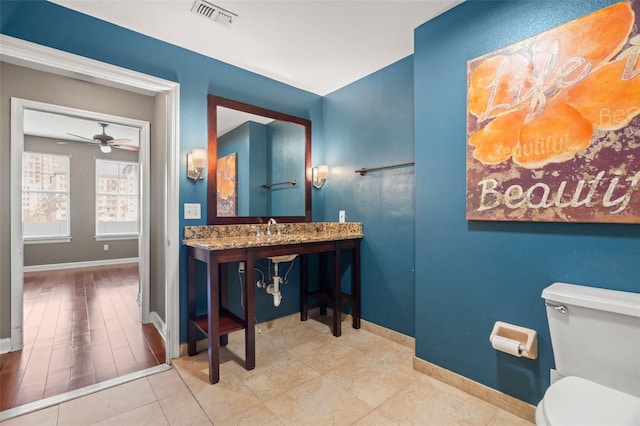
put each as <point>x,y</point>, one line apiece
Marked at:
<point>217,245</point>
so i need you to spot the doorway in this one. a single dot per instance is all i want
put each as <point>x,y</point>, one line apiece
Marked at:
<point>167,106</point>
<point>74,293</point>
<point>19,108</point>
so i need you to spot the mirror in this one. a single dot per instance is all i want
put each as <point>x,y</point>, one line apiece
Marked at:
<point>262,165</point>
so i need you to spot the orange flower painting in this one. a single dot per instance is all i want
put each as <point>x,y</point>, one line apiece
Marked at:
<point>553,124</point>
<point>226,176</point>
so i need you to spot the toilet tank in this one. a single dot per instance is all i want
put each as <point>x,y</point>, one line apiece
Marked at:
<point>595,334</point>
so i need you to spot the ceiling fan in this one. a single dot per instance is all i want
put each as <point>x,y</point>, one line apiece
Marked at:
<point>106,141</point>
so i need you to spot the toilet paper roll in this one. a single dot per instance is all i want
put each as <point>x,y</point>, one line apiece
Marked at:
<point>512,347</point>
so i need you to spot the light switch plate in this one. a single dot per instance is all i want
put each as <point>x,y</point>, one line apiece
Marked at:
<point>341,216</point>
<point>192,210</point>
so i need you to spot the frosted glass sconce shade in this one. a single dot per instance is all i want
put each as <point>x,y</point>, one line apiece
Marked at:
<point>319,175</point>
<point>196,163</point>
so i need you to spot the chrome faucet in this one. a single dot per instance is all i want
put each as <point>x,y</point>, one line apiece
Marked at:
<point>272,221</point>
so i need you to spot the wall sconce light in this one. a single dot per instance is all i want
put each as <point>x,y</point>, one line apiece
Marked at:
<point>196,163</point>
<point>319,175</point>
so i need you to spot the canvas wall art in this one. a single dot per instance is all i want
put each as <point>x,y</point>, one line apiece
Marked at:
<point>227,192</point>
<point>553,124</point>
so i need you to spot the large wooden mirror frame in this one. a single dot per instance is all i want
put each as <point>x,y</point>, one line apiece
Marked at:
<point>213,102</point>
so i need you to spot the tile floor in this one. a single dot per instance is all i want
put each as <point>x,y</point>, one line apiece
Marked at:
<point>303,376</point>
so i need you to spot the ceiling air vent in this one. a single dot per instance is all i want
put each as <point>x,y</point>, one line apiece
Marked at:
<point>213,12</point>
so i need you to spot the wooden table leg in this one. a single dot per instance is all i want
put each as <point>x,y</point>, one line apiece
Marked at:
<point>250,314</point>
<point>213,310</point>
<point>322,276</point>
<point>223,282</point>
<point>304,287</point>
<point>337,314</point>
<point>355,285</point>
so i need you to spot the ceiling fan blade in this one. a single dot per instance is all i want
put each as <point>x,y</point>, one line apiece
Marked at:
<point>105,140</point>
<point>81,137</point>
<point>122,140</point>
<point>125,147</point>
<point>124,143</point>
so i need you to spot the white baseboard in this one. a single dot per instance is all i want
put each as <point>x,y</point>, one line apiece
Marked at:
<point>159,324</point>
<point>71,265</point>
<point>5,345</point>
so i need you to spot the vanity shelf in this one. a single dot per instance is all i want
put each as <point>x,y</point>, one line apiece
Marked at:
<point>327,297</point>
<point>228,323</point>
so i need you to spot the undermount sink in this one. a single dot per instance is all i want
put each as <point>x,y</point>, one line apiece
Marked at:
<point>283,258</point>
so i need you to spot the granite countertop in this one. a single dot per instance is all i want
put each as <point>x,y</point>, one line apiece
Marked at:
<point>222,237</point>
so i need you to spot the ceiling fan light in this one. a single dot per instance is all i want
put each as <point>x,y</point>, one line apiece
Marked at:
<point>105,148</point>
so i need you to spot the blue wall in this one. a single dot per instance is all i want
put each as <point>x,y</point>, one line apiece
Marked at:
<point>471,274</point>
<point>369,123</point>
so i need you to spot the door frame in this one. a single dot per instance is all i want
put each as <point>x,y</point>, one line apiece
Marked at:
<point>18,106</point>
<point>31,55</point>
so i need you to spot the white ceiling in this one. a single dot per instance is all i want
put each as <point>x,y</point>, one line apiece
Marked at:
<point>315,45</point>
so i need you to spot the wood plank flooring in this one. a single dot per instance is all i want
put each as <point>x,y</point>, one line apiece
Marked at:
<point>81,326</point>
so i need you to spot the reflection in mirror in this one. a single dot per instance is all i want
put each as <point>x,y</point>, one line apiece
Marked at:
<point>262,164</point>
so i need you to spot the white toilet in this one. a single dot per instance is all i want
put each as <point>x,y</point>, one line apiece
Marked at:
<point>595,334</point>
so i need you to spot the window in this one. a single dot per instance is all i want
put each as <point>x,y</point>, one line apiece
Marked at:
<point>45,197</point>
<point>117,212</point>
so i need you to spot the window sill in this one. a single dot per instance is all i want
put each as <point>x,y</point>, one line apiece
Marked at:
<point>115,237</point>
<point>50,240</point>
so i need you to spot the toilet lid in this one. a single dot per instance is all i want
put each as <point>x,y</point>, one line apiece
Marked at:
<point>577,401</point>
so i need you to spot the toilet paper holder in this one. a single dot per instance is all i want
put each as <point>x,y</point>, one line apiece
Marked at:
<point>514,340</point>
